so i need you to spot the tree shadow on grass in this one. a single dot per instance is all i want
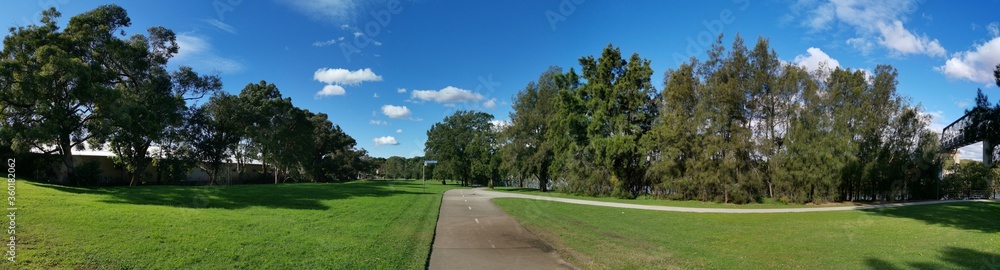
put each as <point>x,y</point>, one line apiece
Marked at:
<point>288,196</point>
<point>950,257</point>
<point>977,216</point>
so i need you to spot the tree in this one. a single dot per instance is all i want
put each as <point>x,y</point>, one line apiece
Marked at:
<point>968,176</point>
<point>619,100</point>
<point>212,131</point>
<point>457,143</point>
<point>996,74</point>
<point>55,86</point>
<point>333,153</point>
<point>291,143</point>
<point>149,99</point>
<point>395,167</point>
<point>525,150</point>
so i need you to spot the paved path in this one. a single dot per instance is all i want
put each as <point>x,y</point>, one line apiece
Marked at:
<point>473,233</point>
<point>497,194</point>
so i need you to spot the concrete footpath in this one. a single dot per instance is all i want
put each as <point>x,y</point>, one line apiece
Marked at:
<point>497,194</point>
<point>473,233</point>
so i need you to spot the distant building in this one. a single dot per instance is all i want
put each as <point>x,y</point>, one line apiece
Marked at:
<point>112,174</point>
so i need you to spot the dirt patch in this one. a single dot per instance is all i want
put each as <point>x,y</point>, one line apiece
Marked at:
<point>552,241</point>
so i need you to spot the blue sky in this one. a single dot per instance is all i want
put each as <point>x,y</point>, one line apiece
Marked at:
<point>385,71</point>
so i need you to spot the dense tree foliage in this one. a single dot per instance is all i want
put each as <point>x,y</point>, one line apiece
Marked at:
<point>61,88</point>
<point>967,177</point>
<point>54,83</point>
<point>465,145</point>
<point>738,127</point>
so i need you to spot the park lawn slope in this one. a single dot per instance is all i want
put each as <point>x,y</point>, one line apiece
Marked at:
<point>942,236</point>
<point>355,225</point>
<point>646,200</point>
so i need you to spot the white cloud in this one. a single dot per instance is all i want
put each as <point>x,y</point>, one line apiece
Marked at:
<point>330,90</point>
<point>195,51</point>
<point>324,43</point>
<point>378,122</point>
<point>399,131</point>
<point>935,120</point>
<point>345,26</point>
<point>816,56</point>
<point>900,40</point>
<point>964,104</point>
<point>449,105</point>
<point>500,123</point>
<point>397,112</point>
<point>377,43</point>
<point>881,21</point>
<point>449,94</point>
<point>975,65</point>
<point>358,34</point>
<point>340,38</point>
<point>385,140</point>
<point>221,26</point>
<point>861,44</point>
<point>401,90</point>
<point>490,104</point>
<point>347,77</point>
<point>994,29</point>
<point>973,152</point>
<point>324,10</point>
<point>376,95</point>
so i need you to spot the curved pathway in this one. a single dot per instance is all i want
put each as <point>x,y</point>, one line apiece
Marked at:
<point>473,233</point>
<point>497,194</point>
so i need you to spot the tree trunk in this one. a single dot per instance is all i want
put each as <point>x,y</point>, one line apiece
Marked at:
<point>211,177</point>
<point>67,154</point>
<point>133,182</point>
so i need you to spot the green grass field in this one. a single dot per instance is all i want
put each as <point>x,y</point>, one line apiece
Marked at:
<point>356,225</point>
<point>944,236</point>
<point>652,201</point>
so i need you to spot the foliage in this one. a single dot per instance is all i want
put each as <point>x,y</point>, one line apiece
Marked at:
<point>739,127</point>
<point>54,89</point>
<point>465,146</point>
<point>87,174</point>
<point>525,151</point>
<point>212,131</point>
<point>966,177</point>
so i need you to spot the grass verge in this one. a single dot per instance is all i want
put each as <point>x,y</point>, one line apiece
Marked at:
<point>943,236</point>
<point>355,225</point>
<point>767,204</point>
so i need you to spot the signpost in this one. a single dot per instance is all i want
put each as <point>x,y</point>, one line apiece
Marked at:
<point>423,173</point>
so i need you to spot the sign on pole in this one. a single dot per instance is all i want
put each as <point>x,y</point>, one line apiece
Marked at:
<point>430,162</point>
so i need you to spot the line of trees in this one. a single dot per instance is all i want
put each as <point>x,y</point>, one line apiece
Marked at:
<point>61,88</point>
<point>396,167</point>
<point>737,127</point>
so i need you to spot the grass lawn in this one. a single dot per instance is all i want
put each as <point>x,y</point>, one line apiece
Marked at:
<point>356,225</point>
<point>652,201</point>
<point>943,236</point>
